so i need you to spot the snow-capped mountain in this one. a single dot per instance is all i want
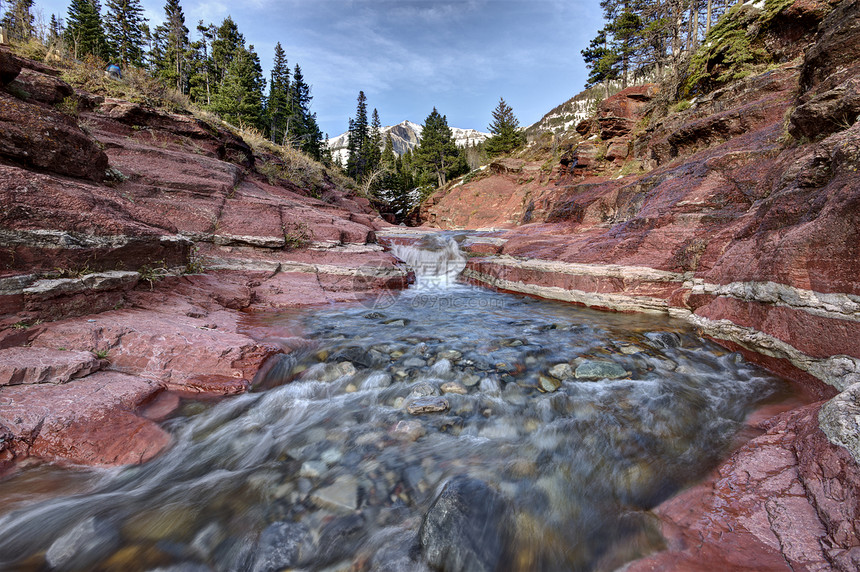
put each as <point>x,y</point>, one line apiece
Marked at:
<point>405,137</point>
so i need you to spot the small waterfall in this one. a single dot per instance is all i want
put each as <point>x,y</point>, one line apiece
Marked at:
<point>435,259</point>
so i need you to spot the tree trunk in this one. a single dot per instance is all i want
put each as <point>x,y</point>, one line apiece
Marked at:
<point>694,25</point>
<point>708,17</point>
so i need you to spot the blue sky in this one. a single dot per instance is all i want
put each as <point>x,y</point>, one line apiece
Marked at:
<point>411,55</point>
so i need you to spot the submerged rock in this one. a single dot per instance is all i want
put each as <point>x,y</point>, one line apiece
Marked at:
<point>664,339</point>
<point>281,545</point>
<point>341,496</point>
<point>83,546</point>
<point>337,371</point>
<point>411,430</point>
<point>465,529</point>
<point>420,405</point>
<point>424,389</point>
<point>592,370</point>
<point>561,371</point>
<point>548,384</point>
<point>454,387</point>
<point>339,538</point>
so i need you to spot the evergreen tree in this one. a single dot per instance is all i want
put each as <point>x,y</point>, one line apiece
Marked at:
<point>437,152</point>
<point>124,23</point>
<point>173,37</point>
<point>358,141</point>
<point>626,28</point>
<point>226,43</point>
<point>388,159</point>
<point>304,129</point>
<point>374,149</point>
<point>240,99</point>
<point>200,66</point>
<point>55,30</point>
<point>601,61</point>
<point>505,128</point>
<point>395,185</point>
<point>278,109</point>
<point>18,19</point>
<point>312,143</point>
<point>84,33</point>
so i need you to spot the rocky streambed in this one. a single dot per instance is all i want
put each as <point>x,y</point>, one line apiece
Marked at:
<point>448,427</point>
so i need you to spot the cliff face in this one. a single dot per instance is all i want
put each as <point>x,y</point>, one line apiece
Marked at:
<point>725,219</point>
<point>741,214</point>
<point>109,210</point>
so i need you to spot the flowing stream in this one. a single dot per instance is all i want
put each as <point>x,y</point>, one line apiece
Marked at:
<point>577,421</point>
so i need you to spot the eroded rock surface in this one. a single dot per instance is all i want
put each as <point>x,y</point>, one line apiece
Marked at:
<point>26,365</point>
<point>90,420</point>
<point>787,500</point>
<point>97,225</point>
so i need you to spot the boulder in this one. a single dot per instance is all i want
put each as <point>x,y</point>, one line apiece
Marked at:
<point>42,88</point>
<point>617,115</point>
<point>10,67</point>
<point>618,149</point>
<point>466,528</point>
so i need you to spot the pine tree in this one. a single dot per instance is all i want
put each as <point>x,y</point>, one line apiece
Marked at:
<point>124,23</point>
<point>626,28</point>
<point>312,142</point>
<point>226,43</point>
<point>358,141</point>
<point>84,33</point>
<point>18,19</point>
<point>388,159</point>
<point>278,109</point>
<point>201,79</point>
<point>173,36</point>
<point>505,128</point>
<point>55,30</point>
<point>437,152</point>
<point>374,148</point>
<point>601,61</point>
<point>240,99</point>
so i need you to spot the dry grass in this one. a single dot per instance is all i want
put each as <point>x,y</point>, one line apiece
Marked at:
<point>289,164</point>
<point>32,49</point>
<point>136,86</point>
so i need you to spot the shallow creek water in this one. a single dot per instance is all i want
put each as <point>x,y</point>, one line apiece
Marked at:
<point>578,421</point>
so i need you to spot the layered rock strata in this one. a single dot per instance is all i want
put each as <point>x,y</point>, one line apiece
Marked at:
<point>107,218</point>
